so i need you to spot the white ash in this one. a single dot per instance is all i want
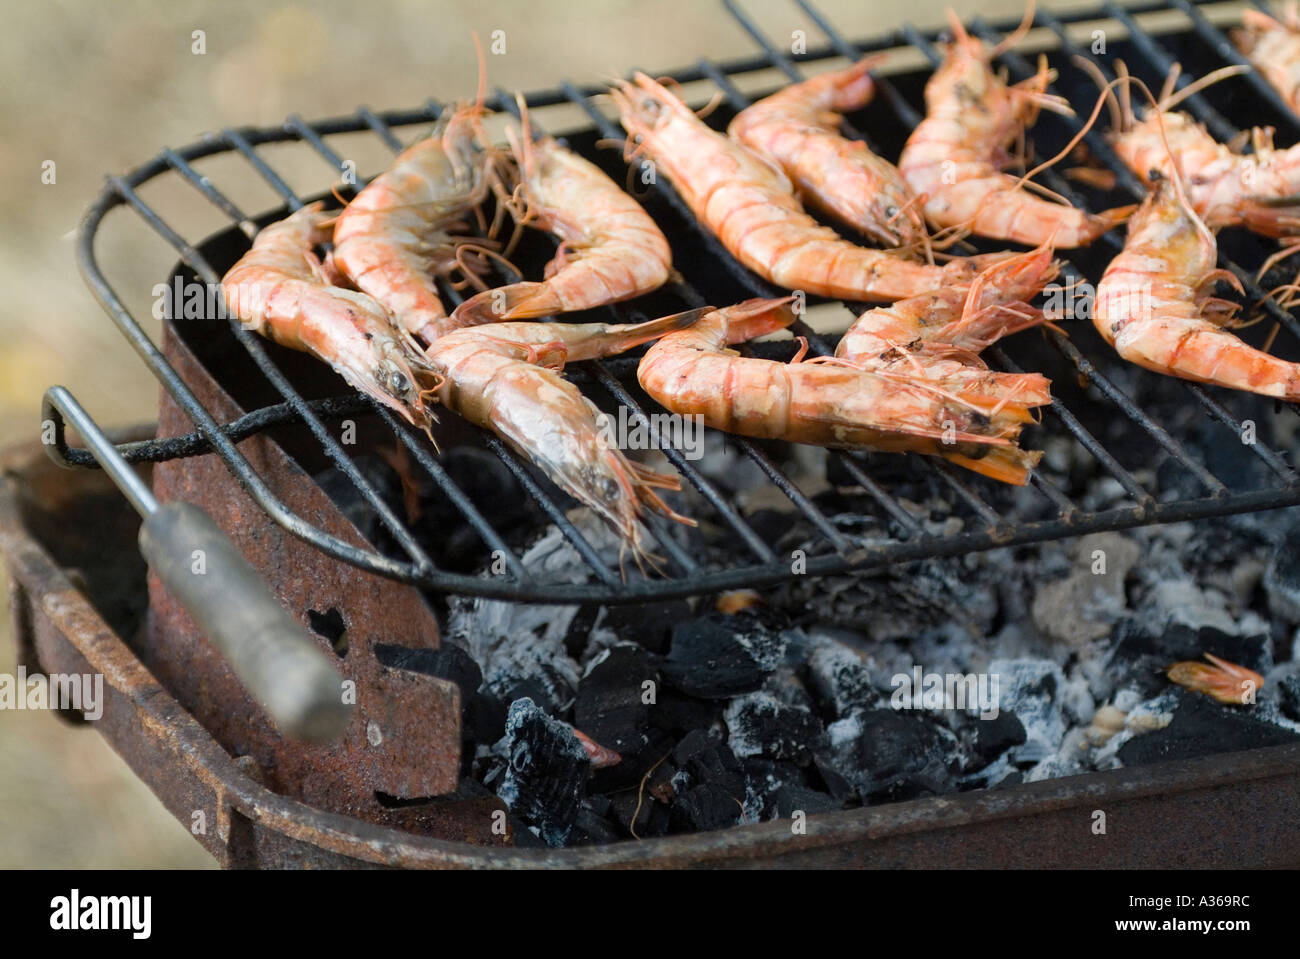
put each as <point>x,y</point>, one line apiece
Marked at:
<point>1030,688</point>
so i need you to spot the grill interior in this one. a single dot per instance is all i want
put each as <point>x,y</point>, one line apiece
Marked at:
<point>1134,425</point>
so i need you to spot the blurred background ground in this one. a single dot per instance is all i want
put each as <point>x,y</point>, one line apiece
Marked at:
<point>98,88</point>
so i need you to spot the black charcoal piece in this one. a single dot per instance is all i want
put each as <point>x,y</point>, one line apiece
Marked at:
<point>592,826</point>
<point>1288,694</point>
<point>647,624</point>
<point>679,713</point>
<point>1202,727</point>
<point>758,724</point>
<point>702,807</point>
<point>840,679</point>
<point>627,773</point>
<point>792,798</point>
<point>651,816</point>
<point>990,738</point>
<point>612,706</point>
<point>546,772</point>
<point>1282,579</point>
<point>719,656</point>
<point>886,754</point>
<point>703,758</point>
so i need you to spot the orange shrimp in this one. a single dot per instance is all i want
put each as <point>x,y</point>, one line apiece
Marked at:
<point>610,249</point>
<point>692,372</point>
<point>505,378</point>
<point>402,229</point>
<point>751,207</point>
<point>278,290</point>
<point>1155,305</point>
<point>799,128</point>
<point>1273,46</point>
<point>955,155</point>
<point>1224,187</point>
<point>937,336</point>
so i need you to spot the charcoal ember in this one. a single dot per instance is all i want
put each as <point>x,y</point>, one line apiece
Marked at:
<point>1086,603</point>
<point>1282,579</point>
<point>777,789</point>
<point>679,713</point>
<point>758,724</point>
<point>704,807</point>
<point>1201,727</point>
<point>345,495</point>
<point>841,680</point>
<point>520,648</point>
<point>1030,689</point>
<point>546,772</point>
<point>652,817</point>
<point>987,739</point>
<point>629,771</point>
<point>786,687</point>
<point>826,773</point>
<point>593,825</point>
<point>647,624</point>
<point>891,754</point>
<point>718,656</point>
<point>611,704</point>
<point>1288,694</point>
<point>702,757</point>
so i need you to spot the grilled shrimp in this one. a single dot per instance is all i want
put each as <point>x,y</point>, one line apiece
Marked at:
<point>610,249</point>
<point>692,372</point>
<point>1273,46</point>
<point>937,336</point>
<point>401,230</point>
<point>1225,188</point>
<point>506,378</point>
<point>1155,304</point>
<point>955,155</point>
<point>751,207</point>
<point>799,128</point>
<point>278,290</point>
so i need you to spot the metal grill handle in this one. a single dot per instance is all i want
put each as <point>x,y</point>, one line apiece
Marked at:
<point>278,663</point>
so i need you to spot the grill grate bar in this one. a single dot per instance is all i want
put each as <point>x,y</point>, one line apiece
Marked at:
<point>277,379</point>
<point>1271,458</point>
<point>205,186</point>
<point>381,129</point>
<point>910,524</point>
<point>240,143</point>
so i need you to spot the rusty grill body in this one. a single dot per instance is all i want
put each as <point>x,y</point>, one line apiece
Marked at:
<point>243,423</point>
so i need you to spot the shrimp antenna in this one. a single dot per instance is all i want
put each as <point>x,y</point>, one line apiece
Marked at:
<point>1074,140</point>
<point>1117,120</point>
<point>1011,39</point>
<point>1169,101</point>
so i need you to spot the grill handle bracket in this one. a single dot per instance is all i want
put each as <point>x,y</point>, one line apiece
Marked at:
<point>278,663</point>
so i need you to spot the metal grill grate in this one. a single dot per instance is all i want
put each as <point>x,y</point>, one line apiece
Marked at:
<point>754,561</point>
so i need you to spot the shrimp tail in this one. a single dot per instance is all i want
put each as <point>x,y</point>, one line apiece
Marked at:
<point>1008,464</point>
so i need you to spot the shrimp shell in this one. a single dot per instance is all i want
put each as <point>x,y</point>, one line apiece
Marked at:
<point>400,231</point>
<point>693,373</point>
<point>611,250</point>
<point>1154,305</point>
<point>954,156</point>
<point>1273,47</point>
<point>278,289</point>
<point>750,206</point>
<point>799,129</point>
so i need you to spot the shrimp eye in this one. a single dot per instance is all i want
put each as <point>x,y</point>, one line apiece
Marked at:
<point>398,384</point>
<point>609,488</point>
<point>891,210</point>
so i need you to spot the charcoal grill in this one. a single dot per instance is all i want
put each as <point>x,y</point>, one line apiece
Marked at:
<point>215,450</point>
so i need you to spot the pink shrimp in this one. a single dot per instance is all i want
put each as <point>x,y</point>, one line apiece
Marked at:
<point>610,248</point>
<point>278,290</point>
<point>505,378</point>
<point>693,373</point>
<point>405,227</point>
<point>1273,46</point>
<point>937,336</point>
<point>799,129</point>
<point>751,207</point>
<point>955,155</point>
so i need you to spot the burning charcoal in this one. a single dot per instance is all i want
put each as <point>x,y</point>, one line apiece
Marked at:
<point>885,753</point>
<point>611,706</point>
<point>1030,689</point>
<point>1201,727</point>
<point>546,772</point>
<point>678,713</point>
<point>1282,580</point>
<point>990,738</point>
<point>791,798</point>
<point>703,758</point>
<point>719,656</point>
<point>651,816</point>
<point>840,678</point>
<point>647,624</point>
<point>1084,605</point>
<point>776,789</point>
<point>758,724</point>
<point>1288,694</point>
<point>702,807</point>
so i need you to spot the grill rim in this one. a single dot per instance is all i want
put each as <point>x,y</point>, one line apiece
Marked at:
<point>911,544</point>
